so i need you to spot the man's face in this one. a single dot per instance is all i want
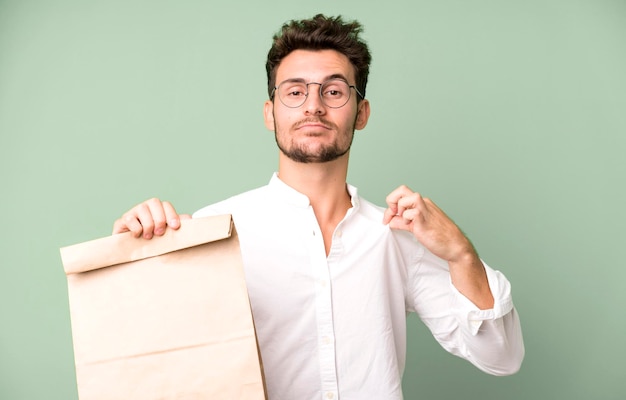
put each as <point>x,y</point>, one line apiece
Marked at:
<point>314,132</point>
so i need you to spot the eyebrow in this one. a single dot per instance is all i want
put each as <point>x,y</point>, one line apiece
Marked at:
<point>329,77</point>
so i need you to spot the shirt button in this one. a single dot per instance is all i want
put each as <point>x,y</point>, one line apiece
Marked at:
<point>338,234</point>
<point>326,340</point>
<point>330,395</point>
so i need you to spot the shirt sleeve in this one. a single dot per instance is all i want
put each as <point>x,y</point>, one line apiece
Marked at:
<point>490,339</point>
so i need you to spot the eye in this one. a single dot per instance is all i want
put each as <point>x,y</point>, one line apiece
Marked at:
<point>334,90</point>
<point>294,91</point>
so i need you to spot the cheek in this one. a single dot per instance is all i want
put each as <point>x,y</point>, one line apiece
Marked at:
<point>283,119</point>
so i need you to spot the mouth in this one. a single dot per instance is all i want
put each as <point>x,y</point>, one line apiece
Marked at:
<point>307,124</point>
<point>312,127</point>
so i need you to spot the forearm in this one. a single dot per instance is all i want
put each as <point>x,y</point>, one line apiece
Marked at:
<point>469,277</point>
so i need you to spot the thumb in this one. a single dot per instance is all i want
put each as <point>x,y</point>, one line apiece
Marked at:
<point>397,222</point>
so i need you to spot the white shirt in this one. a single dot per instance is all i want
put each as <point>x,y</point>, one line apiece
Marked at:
<point>335,327</point>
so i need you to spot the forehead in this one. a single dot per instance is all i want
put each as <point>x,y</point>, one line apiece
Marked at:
<point>314,65</point>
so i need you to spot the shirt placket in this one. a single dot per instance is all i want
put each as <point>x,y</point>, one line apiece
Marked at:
<point>323,304</point>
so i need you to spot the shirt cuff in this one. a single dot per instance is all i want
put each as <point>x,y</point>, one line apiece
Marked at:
<point>471,317</point>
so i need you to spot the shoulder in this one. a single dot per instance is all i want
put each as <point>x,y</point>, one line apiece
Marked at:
<point>234,204</point>
<point>374,213</point>
<point>370,210</point>
<point>404,240</point>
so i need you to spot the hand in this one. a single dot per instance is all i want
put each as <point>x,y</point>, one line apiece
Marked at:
<point>431,226</point>
<point>408,210</point>
<point>149,218</point>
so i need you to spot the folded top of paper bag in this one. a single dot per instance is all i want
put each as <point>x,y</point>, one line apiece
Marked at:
<point>98,253</point>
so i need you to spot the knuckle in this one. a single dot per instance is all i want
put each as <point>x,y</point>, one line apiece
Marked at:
<point>152,202</point>
<point>127,218</point>
<point>147,223</point>
<point>119,226</point>
<point>159,222</point>
<point>139,208</point>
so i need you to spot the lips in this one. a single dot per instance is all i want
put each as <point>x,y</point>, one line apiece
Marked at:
<point>307,123</point>
<point>312,126</point>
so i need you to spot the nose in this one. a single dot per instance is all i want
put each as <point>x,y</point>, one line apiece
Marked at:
<point>313,105</point>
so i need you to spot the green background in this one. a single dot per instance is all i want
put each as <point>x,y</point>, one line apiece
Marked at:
<point>511,115</point>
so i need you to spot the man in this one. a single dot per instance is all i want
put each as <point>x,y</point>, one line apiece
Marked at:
<point>331,277</point>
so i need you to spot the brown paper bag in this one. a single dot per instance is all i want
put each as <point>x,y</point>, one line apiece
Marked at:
<point>166,318</point>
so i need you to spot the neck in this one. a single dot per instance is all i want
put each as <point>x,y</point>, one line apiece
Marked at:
<point>323,183</point>
<point>325,186</point>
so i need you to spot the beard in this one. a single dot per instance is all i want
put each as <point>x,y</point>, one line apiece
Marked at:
<point>305,154</point>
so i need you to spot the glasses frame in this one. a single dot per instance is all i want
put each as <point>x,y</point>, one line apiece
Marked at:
<point>321,85</point>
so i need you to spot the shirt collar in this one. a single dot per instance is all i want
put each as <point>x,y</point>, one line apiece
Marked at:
<point>286,193</point>
<point>354,196</point>
<point>290,195</point>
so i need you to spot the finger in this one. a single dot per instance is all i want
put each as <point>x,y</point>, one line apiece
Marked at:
<point>410,201</point>
<point>120,226</point>
<point>128,223</point>
<point>408,215</point>
<point>143,215</point>
<point>389,214</point>
<point>404,220</point>
<point>413,201</point>
<point>398,222</point>
<point>172,218</point>
<point>397,194</point>
<point>155,217</point>
<point>392,202</point>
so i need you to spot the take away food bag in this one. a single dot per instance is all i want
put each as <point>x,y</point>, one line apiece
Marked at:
<point>166,318</point>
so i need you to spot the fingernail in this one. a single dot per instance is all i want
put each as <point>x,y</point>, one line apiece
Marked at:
<point>174,223</point>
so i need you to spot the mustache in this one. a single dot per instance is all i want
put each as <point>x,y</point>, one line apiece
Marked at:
<point>314,120</point>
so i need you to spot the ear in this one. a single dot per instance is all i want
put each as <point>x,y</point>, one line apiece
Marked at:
<point>363,114</point>
<point>268,113</point>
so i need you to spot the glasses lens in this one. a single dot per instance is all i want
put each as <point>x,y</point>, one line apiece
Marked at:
<point>292,94</point>
<point>335,93</point>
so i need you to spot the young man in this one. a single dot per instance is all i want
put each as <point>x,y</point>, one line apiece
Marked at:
<point>331,277</point>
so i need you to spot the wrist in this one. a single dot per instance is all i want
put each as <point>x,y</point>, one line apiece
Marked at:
<point>466,254</point>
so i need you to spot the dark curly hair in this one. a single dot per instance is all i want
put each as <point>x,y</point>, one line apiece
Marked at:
<point>320,33</point>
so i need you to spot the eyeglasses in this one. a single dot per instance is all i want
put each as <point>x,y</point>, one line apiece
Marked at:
<point>335,93</point>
